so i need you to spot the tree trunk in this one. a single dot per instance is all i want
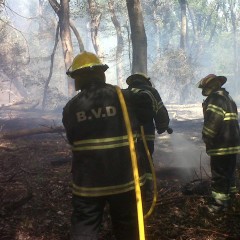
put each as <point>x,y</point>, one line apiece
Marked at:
<point>94,25</point>
<point>65,35</point>
<point>129,44</point>
<point>138,36</point>
<point>183,37</point>
<point>119,50</point>
<point>62,10</point>
<point>235,48</point>
<point>157,36</point>
<point>51,69</point>
<point>79,39</point>
<point>56,7</point>
<point>28,132</point>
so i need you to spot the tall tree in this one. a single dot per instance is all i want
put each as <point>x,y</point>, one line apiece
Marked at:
<point>62,11</point>
<point>66,40</point>
<point>233,15</point>
<point>183,35</point>
<point>94,24</point>
<point>14,54</point>
<point>138,36</point>
<point>51,69</point>
<point>119,50</point>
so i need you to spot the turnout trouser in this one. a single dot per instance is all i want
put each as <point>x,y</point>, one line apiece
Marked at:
<point>88,213</point>
<point>223,177</point>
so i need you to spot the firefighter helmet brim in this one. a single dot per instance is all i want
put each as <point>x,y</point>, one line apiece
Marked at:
<point>211,79</point>
<point>135,76</point>
<point>85,61</point>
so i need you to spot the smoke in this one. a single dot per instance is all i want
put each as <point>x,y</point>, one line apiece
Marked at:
<point>21,13</point>
<point>181,154</point>
<point>185,152</point>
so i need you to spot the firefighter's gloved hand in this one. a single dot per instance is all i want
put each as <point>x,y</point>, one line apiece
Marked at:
<point>161,130</point>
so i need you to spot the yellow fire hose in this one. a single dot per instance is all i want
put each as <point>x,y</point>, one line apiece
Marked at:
<point>153,175</point>
<point>134,165</point>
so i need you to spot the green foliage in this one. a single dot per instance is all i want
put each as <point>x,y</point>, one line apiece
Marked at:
<point>210,41</point>
<point>78,8</point>
<point>26,56</point>
<point>13,52</point>
<point>173,75</point>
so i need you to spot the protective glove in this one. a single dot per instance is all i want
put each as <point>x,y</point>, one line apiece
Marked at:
<point>161,130</point>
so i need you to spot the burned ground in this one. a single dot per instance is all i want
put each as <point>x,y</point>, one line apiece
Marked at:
<point>35,180</point>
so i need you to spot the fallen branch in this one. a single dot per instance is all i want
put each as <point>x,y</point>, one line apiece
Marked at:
<point>205,230</point>
<point>174,199</point>
<point>20,105</point>
<point>28,132</point>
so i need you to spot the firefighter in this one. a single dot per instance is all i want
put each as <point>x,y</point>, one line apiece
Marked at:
<point>139,82</point>
<point>101,165</point>
<point>221,136</point>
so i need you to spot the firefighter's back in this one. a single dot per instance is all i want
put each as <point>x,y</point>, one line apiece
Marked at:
<point>101,158</point>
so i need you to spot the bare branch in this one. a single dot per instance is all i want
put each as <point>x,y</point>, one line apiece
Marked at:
<point>51,67</point>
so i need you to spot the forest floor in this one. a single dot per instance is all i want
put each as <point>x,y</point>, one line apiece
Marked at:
<point>35,192</point>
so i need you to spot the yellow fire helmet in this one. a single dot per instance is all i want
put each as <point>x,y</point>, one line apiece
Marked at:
<point>137,75</point>
<point>85,61</point>
<point>211,80</point>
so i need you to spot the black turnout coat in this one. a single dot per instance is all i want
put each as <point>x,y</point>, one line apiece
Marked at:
<point>96,130</point>
<point>221,128</point>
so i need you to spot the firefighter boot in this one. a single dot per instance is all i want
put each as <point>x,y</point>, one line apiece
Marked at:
<point>218,206</point>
